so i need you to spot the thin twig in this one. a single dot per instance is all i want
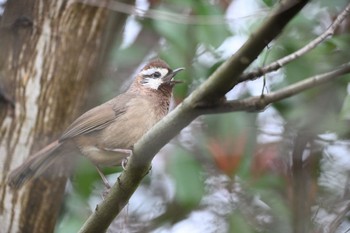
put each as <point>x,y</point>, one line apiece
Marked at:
<point>258,103</point>
<point>283,61</point>
<point>168,16</point>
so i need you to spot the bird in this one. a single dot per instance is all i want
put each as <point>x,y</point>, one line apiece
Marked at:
<point>106,133</point>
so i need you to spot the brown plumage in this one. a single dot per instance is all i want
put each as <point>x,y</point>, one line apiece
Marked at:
<point>102,133</point>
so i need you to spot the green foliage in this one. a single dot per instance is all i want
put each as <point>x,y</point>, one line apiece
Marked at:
<point>186,173</point>
<point>175,34</point>
<point>76,213</point>
<point>127,55</point>
<point>239,224</point>
<point>333,5</point>
<point>269,3</point>
<point>345,112</point>
<point>86,176</point>
<point>226,125</point>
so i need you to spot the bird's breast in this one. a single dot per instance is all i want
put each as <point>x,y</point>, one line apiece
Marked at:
<point>141,114</point>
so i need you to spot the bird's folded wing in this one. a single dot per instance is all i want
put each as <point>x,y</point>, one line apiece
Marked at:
<point>94,119</point>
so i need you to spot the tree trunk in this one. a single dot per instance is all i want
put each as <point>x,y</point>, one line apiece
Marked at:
<point>48,54</point>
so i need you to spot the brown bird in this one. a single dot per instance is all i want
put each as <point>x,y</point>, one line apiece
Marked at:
<point>106,133</point>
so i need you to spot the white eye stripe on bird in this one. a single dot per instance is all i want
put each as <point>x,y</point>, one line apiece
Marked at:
<point>153,70</point>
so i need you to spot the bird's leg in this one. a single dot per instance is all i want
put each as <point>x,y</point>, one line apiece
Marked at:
<point>114,155</point>
<point>122,151</point>
<point>104,179</point>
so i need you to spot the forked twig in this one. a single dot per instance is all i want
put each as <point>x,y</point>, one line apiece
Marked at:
<point>311,45</point>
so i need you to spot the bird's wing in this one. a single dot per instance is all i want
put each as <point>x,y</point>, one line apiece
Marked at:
<point>96,118</point>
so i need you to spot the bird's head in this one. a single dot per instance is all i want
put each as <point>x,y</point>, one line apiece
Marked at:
<point>157,74</point>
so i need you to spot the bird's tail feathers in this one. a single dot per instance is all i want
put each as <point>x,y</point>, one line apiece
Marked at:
<point>34,166</point>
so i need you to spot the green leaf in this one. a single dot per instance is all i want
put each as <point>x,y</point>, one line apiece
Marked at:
<point>84,178</point>
<point>345,112</point>
<point>239,224</point>
<point>213,35</point>
<point>187,175</point>
<point>176,34</point>
<point>269,3</point>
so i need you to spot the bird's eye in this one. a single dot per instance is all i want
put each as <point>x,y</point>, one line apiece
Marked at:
<point>157,74</point>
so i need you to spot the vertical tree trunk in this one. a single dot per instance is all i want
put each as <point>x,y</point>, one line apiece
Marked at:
<point>48,53</point>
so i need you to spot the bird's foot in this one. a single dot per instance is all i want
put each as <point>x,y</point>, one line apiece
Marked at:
<point>127,152</point>
<point>124,163</point>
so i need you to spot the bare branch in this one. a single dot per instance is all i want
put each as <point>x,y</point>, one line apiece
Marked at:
<point>285,60</point>
<point>167,16</point>
<point>258,103</point>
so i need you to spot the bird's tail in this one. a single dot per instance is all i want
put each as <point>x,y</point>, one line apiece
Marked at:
<point>34,166</point>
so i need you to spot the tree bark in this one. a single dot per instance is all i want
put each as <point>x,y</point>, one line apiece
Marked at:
<point>48,55</point>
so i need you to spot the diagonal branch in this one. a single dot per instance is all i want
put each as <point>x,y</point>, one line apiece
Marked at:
<point>213,89</point>
<point>285,60</point>
<point>257,103</point>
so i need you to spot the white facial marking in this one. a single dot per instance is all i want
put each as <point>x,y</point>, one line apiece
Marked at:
<point>153,82</point>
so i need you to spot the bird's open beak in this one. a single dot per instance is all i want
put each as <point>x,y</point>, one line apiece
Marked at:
<point>170,77</point>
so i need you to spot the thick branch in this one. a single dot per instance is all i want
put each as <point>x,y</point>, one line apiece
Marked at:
<point>285,60</point>
<point>217,85</point>
<point>258,103</point>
